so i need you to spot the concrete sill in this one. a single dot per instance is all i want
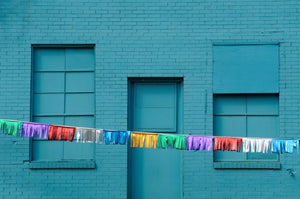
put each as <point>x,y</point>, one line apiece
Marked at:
<point>247,165</point>
<point>63,164</point>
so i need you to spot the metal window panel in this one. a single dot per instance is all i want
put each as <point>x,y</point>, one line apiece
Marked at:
<point>245,69</point>
<point>48,82</point>
<point>80,82</point>
<point>80,59</point>
<point>48,104</point>
<point>49,59</point>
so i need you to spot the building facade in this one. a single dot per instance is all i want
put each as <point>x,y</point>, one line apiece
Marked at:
<point>222,68</point>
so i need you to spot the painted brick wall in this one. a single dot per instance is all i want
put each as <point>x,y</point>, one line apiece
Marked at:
<point>154,39</point>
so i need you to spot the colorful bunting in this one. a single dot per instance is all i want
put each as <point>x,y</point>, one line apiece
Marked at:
<point>61,133</point>
<point>258,145</point>
<point>287,146</point>
<point>10,127</point>
<point>227,144</point>
<point>114,137</point>
<point>171,140</point>
<point>34,130</point>
<point>85,135</point>
<point>199,143</point>
<point>141,139</point>
<point>148,140</point>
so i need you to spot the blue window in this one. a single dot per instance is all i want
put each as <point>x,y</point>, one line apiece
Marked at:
<point>63,94</point>
<point>246,115</point>
<point>246,96</point>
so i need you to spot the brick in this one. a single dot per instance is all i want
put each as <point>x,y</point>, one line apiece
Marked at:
<point>138,39</point>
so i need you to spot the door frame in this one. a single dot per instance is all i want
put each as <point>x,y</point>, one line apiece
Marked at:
<point>179,126</point>
<point>177,80</point>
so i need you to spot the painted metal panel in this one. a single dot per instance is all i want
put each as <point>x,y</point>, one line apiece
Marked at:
<point>229,126</point>
<point>229,104</point>
<point>154,173</point>
<point>49,59</point>
<point>57,150</point>
<point>82,103</point>
<point>49,120</point>
<point>154,119</point>
<point>246,69</point>
<point>49,82</point>
<point>155,95</point>
<point>73,150</point>
<point>80,82</point>
<point>266,126</point>
<point>262,104</point>
<point>82,121</point>
<point>155,107</point>
<point>80,59</point>
<point>48,104</point>
<point>45,150</point>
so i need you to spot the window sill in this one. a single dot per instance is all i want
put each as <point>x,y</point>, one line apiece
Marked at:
<point>63,164</point>
<point>247,165</point>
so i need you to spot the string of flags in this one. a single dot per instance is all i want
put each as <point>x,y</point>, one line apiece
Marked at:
<point>148,140</point>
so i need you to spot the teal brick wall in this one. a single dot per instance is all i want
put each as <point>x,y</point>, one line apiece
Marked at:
<point>145,39</point>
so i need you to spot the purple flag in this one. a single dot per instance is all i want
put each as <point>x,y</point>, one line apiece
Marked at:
<point>34,129</point>
<point>199,142</point>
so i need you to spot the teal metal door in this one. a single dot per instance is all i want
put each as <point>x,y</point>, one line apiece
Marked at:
<point>154,173</point>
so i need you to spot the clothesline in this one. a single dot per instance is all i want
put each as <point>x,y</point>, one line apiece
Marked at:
<point>148,139</point>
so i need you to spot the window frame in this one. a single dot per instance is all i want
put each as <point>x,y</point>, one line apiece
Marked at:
<point>243,165</point>
<point>246,163</point>
<point>65,163</point>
